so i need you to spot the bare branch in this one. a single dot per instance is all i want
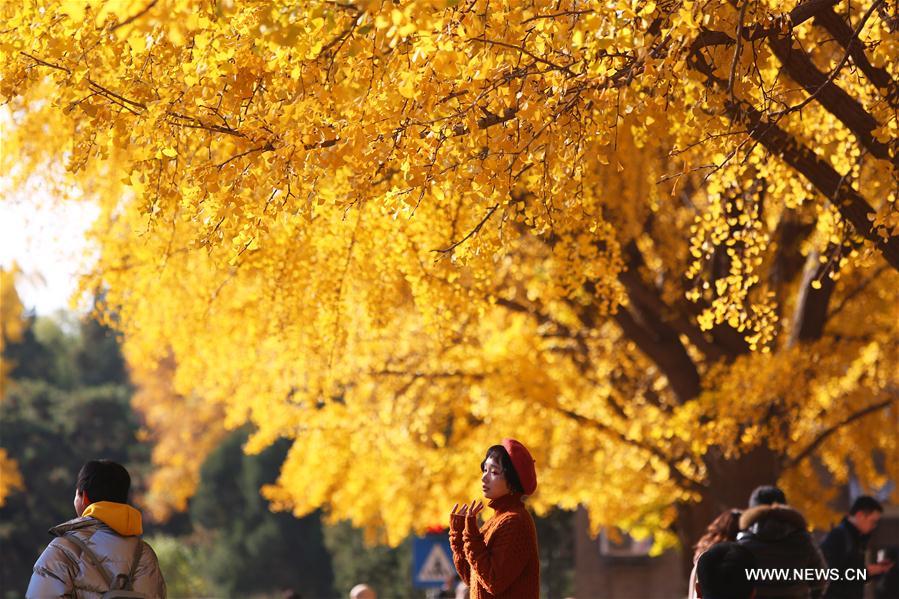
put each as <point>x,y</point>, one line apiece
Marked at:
<point>45,63</point>
<point>136,16</point>
<point>857,290</point>
<point>524,51</point>
<point>263,148</point>
<point>471,233</point>
<point>565,13</point>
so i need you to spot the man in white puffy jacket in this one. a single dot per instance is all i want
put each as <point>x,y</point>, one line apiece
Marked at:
<point>101,548</point>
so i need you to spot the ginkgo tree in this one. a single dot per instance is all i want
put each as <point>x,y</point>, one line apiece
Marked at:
<point>12,327</point>
<point>656,241</point>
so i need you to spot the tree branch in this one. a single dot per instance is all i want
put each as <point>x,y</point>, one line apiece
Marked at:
<point>880,77</point>
<point>660,343</point>
<point>524,51</point>
<point>471,233</point>
<point>387,372</point>
<point>811,447</point>
<point>540,317</point>
<point>807,10</point>
<point>45,63</point>
<point>852,294</point>
<point>810,314</point>
<point>852,206</point>
<point>680,477</point>
<point>821,87</point>
<point>736,58</point>
<point>642,294</point>
<point>263,148</point>
<point>136,16</point>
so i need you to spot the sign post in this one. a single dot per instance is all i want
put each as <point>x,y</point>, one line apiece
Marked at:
<point>432,561</point>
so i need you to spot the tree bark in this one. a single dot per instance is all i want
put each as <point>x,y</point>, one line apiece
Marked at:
<point>848,110</point>
<point>730,482</point>
<point>810,314</point>
<point>842,32</point>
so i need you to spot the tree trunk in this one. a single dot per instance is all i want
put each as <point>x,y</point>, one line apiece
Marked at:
<point>730,482</point>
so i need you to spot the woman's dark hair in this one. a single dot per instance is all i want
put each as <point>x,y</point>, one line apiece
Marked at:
<point>104,480</point>
<point>722,529</point>
<point>499,454</point>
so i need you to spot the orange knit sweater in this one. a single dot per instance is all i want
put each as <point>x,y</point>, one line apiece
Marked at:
<point>500,560</point>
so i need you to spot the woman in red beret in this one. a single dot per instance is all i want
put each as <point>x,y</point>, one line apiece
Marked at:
<point>499,560</point>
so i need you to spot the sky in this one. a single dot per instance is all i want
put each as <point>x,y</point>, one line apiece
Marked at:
<point>47,241</point>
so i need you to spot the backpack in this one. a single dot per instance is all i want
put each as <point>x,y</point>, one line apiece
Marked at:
<point>123,585</point>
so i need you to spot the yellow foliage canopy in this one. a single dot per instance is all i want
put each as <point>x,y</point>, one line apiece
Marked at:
<point>12,325</point>
<point>12,321</point>
<point>656,241</point>
<point>10,477</point>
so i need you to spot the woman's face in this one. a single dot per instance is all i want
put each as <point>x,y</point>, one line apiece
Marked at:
<point>493,481</point>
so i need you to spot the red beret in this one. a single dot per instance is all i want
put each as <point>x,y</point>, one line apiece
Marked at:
<point>523,463</point>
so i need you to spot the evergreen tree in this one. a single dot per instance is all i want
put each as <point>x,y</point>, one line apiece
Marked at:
<point>51,422</point>
<point>253,550</point>
<point>388,570</point>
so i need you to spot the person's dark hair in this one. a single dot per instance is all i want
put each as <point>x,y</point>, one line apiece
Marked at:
<point>499,453</point>
<point>721,572</point>
<point>723,528</point>
<point>766,495</point>
<point>866,504</point>
<point>104,480</point>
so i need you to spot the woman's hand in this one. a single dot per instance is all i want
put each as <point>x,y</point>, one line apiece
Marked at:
<point>456,511</point>
<point>475,508</point>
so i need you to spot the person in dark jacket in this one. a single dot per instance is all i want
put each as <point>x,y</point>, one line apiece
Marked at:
<point>723,529</point>
<point>888,585</point>
<point>845,545</point>
<point>721,572</point>
<point>778,537</point>
<point>101,548</point>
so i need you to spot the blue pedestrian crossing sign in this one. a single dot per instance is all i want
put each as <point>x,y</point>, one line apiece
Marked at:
<point>432,562</point>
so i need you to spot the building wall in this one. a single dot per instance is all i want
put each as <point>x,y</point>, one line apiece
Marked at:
<point>599,576</point>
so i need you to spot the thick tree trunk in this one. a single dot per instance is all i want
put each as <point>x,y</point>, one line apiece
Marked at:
<point>730,483</point>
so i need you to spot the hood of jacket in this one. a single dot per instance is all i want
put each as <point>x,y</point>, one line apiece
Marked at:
<point>772,522</point>
<point>121,517</point>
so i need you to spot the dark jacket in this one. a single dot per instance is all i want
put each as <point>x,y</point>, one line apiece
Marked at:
<point>844,548</point>
<point>777,535</point>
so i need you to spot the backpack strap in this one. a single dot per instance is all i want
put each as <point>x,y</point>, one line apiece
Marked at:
<point>93,557</point>
<point>128,583</point>
<point>125,582</point>
<point>137,553</point>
